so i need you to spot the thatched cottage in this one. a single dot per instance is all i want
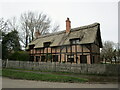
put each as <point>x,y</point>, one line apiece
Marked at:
<point>75,45</point>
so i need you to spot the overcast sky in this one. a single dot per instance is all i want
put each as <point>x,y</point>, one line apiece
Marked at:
<point>80,12</point>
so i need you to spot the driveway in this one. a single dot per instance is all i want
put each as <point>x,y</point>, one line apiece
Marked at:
<point>16,83</point>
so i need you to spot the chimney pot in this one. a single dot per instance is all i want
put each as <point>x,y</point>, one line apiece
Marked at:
<point>68,25</point>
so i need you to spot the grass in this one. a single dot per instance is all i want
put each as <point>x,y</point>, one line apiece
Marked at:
<point>0,72</point>
<point>62,73</point>
<point>85,77</point>
<point>42,77</point>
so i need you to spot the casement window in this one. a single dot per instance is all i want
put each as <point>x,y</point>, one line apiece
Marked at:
<point>70,58</point>
<point>31,46</point>
<point>42,58</point>
<point>75,41</point>
<point>37,58</point>
<point>55,58</point>
<point>47,44</point>
<point>83,59</point>
<point>37,50</point>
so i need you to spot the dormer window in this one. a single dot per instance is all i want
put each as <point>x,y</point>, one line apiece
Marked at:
<point>31,46</point>
<point>47,44</point>
<point>75,41</point>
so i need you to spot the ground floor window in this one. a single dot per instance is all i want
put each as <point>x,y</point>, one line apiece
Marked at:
<point>37,58</point>
<point>55,58</point>
<point>42,58</point>
<point>83,58</point>
<point>70,58</point>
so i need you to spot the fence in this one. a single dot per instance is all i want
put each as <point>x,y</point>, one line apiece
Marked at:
<point>64,67</point>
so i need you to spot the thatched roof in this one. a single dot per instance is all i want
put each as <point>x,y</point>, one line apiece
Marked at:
<point>87,34</point>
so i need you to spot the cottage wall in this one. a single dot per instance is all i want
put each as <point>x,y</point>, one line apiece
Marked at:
<point>77,47</point>
<point>96,52</point>
<point>64,51</point>
<point>62,56</point>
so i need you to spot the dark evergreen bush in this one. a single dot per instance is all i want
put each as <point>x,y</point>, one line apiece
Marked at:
<point>19,56</point>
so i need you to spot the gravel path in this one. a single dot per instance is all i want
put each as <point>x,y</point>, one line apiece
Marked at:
<point>15,83</point>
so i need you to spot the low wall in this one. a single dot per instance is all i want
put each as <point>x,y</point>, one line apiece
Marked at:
<point>64,67</point>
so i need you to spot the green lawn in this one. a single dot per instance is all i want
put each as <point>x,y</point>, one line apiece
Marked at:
<point>0,72</point>
<point>43,77</point>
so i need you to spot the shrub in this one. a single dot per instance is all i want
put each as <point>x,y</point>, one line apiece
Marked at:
<point>20,55</point>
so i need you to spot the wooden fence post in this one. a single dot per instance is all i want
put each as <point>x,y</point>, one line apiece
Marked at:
<point>6,63</point>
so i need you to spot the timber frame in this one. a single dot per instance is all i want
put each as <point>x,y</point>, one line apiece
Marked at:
<point>81,45</point>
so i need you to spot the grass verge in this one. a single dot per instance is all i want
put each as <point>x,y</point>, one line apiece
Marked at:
<point>0,72</point>
<point>41,77</point>
<point>62,73</point>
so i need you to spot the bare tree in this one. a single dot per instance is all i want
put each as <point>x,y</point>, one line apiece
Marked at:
<point>42,23</point>
<point>55,28</point>
<point>108,51</point>
<point>6,26</point>
<point>12,24</point>
<point>3,25</point>
<point>32,22</point>
<point>117,52</point>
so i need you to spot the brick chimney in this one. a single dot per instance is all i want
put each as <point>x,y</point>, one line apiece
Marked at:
<point>68,25</point>
<point>37,34</point>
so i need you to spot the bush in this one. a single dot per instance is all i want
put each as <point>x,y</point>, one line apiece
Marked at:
<point>20,56</point>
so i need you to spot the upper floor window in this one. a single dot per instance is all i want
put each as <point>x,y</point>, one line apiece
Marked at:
<point>47,44</point>
<point>75,41</point>
<point>31,46</point>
